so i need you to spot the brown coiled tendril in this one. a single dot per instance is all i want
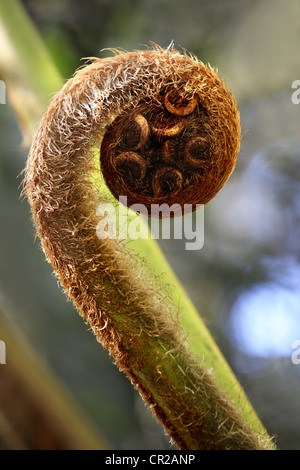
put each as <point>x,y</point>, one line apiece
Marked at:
<point>179,147</point>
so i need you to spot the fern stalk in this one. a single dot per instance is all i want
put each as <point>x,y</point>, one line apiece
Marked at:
<point>188,385</point>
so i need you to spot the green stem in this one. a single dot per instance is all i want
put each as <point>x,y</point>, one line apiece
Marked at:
<point>25,66</point>
<point>39,411</point>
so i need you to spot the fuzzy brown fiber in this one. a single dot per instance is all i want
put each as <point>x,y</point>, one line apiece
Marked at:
<point>177,141</point>
<point>127,310</point>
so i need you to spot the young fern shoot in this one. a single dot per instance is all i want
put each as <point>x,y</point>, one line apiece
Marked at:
<point>166,130</point>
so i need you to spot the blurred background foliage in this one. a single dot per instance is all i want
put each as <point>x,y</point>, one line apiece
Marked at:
<point>245,281</point>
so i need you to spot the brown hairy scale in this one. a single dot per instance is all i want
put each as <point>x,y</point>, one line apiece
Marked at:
<point>181,145</point>
<point>168,130</point>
